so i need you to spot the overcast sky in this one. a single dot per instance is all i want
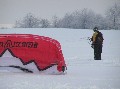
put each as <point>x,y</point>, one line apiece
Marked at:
<point>12,10</point>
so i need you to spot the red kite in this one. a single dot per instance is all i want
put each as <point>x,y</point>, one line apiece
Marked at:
<point>44,52</point>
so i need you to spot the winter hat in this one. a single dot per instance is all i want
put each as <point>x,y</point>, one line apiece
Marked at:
<point>95,29</point>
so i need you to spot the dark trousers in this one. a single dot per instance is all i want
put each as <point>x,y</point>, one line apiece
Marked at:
<point>97,51</point>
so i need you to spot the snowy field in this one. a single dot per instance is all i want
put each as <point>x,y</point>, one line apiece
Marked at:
<point>83,72</point>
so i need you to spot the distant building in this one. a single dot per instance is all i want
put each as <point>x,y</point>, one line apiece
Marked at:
<point>4,26</point>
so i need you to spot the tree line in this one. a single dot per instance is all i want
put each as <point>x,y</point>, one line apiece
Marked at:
<point>79,19</point>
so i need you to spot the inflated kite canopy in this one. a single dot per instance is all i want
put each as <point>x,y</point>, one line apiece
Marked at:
<point>45,52</point>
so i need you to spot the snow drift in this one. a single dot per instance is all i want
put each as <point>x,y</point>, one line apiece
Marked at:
<point>83,72</point>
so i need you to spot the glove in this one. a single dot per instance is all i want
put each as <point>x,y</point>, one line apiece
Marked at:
<point>92,45</point>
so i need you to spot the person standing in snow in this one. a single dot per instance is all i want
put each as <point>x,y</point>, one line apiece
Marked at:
<point>97,43</point>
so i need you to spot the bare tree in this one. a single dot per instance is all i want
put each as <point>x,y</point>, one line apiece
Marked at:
<point>85,19</point>
<point>44,23</point>
<point>81,19</point>
<point>55,22</point>
<point>66,22</point>
<point>113,16</point>
<point>29,21</point>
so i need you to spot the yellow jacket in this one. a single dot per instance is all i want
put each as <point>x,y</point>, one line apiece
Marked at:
<point>94,37</point>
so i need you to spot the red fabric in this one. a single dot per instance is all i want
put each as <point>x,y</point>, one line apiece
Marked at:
<point>44,51</point>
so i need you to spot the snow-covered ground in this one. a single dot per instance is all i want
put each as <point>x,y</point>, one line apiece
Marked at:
<point>83,72</point>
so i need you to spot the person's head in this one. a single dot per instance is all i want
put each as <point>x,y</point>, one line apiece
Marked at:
<point>95,29</point>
